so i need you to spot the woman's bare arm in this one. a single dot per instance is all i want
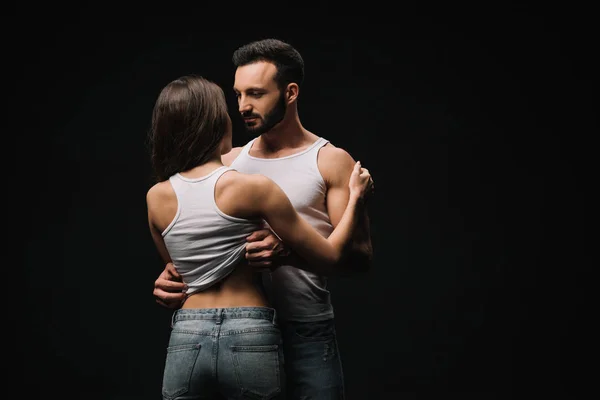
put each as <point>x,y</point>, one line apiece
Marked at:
<point>162,207</point>
<point>265,199</point>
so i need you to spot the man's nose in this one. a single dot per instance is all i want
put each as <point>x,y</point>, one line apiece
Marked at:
<point>244,106</point>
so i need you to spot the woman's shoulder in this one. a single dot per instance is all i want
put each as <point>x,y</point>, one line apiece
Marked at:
<point>160,192</point>
<point>244,183</point>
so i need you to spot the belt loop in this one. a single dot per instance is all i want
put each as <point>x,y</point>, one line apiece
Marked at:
<point>274,317</point>
<point>220,316</point>
<point>173,318</point>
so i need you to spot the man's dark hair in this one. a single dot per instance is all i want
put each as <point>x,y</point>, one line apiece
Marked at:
<point>289,62</point>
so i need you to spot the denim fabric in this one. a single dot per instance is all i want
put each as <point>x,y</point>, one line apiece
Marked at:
<point>312,361</point>
<point>231,353</point>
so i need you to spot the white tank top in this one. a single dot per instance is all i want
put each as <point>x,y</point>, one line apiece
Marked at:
<point>205,244</point>
<point>297,295</point>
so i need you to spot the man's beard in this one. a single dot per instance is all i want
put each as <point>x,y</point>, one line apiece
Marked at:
<point>274,117</point>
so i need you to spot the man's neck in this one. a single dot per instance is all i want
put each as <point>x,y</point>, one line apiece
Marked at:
<point>287,135</point>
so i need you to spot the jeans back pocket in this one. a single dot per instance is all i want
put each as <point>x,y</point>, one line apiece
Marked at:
<point>258,370</point>
<point>179,366</point>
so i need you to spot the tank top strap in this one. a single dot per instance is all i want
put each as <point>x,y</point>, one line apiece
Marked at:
<point>246,149</point>
<point>220,171</point>
<point>313,151</point>
<point>320,142</point>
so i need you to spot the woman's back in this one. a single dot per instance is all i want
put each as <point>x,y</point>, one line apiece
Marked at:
<point>206,245</point>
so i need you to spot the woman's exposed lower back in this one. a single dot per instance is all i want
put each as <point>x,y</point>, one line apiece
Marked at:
<point>238,289</point>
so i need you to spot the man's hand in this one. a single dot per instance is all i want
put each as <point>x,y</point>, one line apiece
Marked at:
<point>169,290</point>
<point>264,249</point>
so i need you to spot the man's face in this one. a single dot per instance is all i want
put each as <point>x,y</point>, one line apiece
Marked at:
<point>260,102</point>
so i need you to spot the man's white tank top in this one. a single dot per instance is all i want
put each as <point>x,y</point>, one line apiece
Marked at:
<point>205,244</point>
<point>297,295</point>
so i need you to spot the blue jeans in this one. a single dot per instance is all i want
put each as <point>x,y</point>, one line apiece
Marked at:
<point>312,361</point>
<point>224,353</point>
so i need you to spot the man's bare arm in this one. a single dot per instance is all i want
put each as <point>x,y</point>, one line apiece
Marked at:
<point>336,166</point>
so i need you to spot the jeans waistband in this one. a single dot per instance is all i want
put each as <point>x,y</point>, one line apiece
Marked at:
<point>219,314</point>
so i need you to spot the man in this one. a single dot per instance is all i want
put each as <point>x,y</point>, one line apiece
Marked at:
<point>314,174</point>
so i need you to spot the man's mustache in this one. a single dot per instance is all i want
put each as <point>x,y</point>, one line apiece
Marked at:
<point>250,115</point>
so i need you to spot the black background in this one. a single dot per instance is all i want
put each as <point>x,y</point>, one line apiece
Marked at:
<point>475,123</point>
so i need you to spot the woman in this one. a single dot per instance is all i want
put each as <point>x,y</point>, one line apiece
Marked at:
<point>224,339</point>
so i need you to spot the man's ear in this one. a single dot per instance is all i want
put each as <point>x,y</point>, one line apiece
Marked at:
<point>291,92</point>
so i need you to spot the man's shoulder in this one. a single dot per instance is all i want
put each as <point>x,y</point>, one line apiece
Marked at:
<point>332,152</point>
<point>332,158</point>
